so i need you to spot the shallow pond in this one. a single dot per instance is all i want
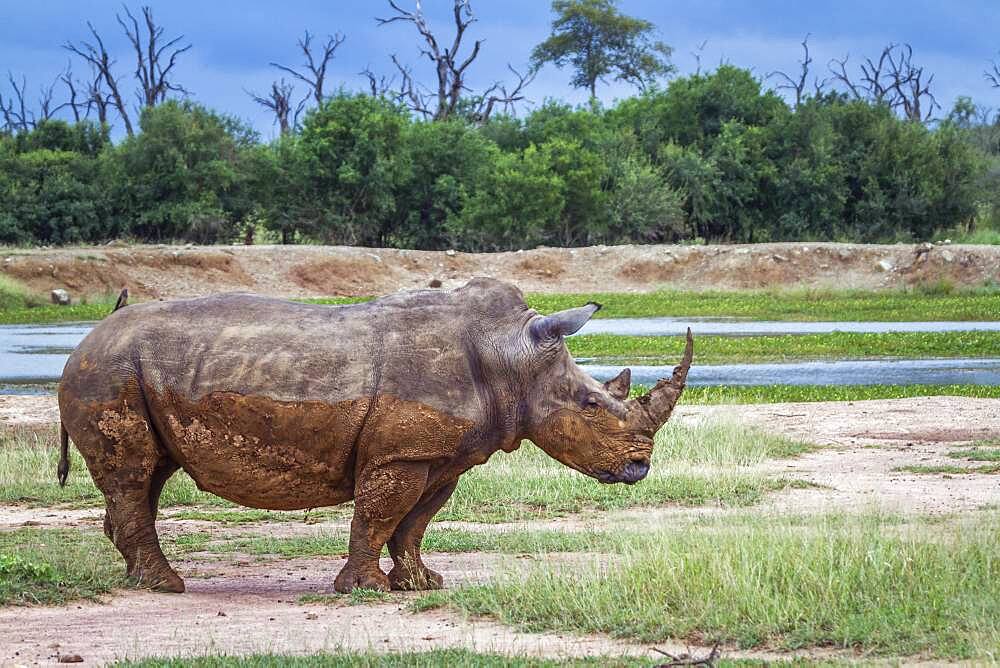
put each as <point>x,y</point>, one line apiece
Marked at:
<point>32,357</point>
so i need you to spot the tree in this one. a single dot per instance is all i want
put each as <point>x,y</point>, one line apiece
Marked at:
<point>993,74</point>
<point>183,176</point>
<point>450,97</point>
<point>155,60</point>
<point>315,64</point>
<point>893,80</point>
<point>353,161</point>
<point>599,41</point>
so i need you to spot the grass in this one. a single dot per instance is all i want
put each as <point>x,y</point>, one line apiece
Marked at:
<point>19,306</point>
<point>520,485</point>
<point>949,469</point>
<point>437,539</point>
<point>939,302</point>
<point>52,566</point>
<point>768,394</point>
<point>529,484</point>
<point>28,460</point>
<point>667,350</point>
<point>978,453</point>
<point>457,658</point>
<point>859,584</point>
<point>356,597</point>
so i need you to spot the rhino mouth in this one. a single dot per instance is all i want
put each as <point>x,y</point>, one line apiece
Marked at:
<point>633,472</point>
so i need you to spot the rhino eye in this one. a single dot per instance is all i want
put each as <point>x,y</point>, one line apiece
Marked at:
<point>593,401</point>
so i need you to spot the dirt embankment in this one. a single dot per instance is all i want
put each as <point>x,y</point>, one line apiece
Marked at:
<point>302,271</point>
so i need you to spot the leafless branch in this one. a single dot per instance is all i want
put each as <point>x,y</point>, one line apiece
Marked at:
<point>15,111</point>
<point>73,103</point>
<point>450,68</point>
<point>798,85</point>
<point>105,80</point>
<point>315,63</point>
<point>499,96</point>
<point>891,79</point>
<point>154,59</point>
<point>379,85</point>
<point>707,661</point>
<point>279,102</point>
<point>993,74</point>
<point>698,51</point>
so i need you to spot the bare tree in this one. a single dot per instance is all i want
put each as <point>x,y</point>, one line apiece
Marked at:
<point>697,53</point>
<point>279,102</point>
<point>105,79</point>
<point>444,99</point>
<point>893,80</point>
<point>71,84</point>
<point>14,107</point>
<point>379,85</point>
<point>154,58</point>
<point>315,63</point>
<point>799,83</point>
<point>993,74</point>
<point>500,96</point>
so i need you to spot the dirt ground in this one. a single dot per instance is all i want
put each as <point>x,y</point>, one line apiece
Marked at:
<point>299,271</point>
<point>241,605</point>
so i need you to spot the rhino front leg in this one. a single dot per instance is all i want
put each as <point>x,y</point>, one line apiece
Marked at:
<point>382,498</point>
<point>409,571</point>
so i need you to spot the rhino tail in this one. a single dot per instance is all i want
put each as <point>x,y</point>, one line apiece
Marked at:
<point>122,300</point>
<point>63,470</point>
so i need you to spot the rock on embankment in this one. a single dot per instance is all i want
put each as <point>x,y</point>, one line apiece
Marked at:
<point>180,271</point>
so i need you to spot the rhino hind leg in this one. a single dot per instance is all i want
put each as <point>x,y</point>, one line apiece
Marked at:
<point>383,496</point>
<point>130,467</point>
<point>409,571</point>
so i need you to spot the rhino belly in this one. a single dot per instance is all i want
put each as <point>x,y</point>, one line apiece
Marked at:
<point>264,453</point>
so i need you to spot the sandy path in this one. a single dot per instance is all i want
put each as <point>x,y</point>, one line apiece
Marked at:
<point>253,607</point>
<point>868,439</point>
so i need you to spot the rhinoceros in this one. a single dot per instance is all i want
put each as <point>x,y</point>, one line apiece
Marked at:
<point>282,405</point>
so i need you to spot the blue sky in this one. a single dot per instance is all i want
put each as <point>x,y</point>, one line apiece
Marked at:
<point>235,39</point>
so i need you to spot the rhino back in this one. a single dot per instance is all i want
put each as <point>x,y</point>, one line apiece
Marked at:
<point>422,346</point>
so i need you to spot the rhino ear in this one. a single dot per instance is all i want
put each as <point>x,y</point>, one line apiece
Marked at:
<point>619,386</point>
<point>550,327</point>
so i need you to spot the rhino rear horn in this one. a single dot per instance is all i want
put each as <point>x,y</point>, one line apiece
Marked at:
<point>620,385</point>
<point>551,327</point>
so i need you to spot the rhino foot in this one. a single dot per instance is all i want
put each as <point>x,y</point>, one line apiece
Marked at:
<point>408,579</point>
<point>166,581</point>
<point>350,579</point>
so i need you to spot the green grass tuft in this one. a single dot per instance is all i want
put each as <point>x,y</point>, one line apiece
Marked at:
<point>770,394</point>
<point>766,583</point>
<point>52,566</point>
<point>949,469</point>
<point>977,453</point>
<point>667,350</point>
<point>806,305</point>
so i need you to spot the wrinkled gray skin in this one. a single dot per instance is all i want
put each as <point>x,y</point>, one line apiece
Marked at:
<point>281,405</point>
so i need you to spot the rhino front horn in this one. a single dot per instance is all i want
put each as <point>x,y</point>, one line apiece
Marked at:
<point>660,402</point>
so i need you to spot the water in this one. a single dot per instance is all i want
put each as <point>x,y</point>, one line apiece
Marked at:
<point>32,356</point>
<point>735,327</point>
<point>862,372</point>
<point>36,354</point>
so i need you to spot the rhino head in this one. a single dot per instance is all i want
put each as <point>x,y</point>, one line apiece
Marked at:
<point>590,426</point>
